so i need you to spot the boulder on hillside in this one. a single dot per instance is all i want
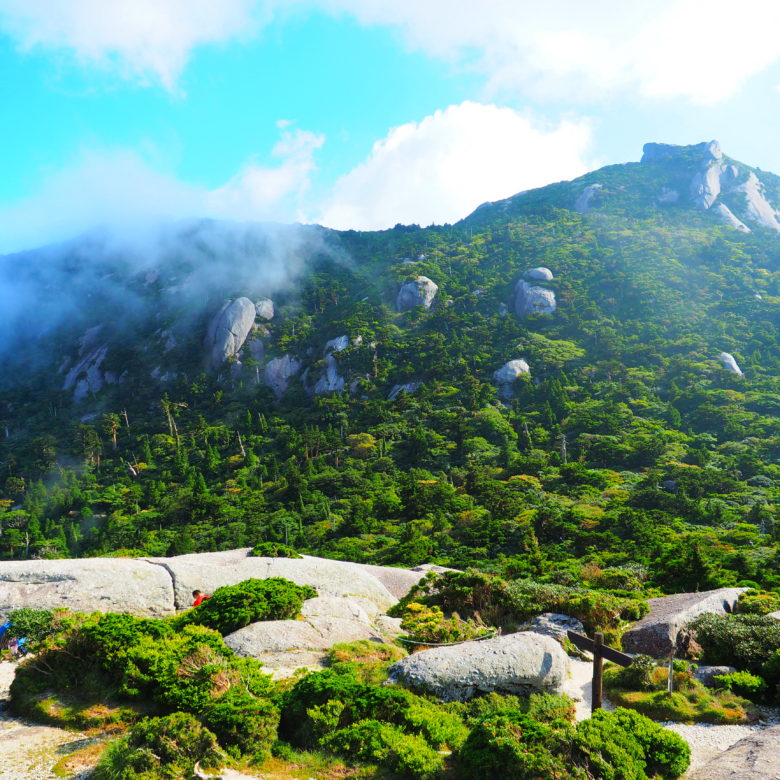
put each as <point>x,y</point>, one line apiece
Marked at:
<point>209,571</point>
<point>416,292</point>
<point>228,330</point>
<point>756,757</point>
<point>330,381</point>
<point>706,674</point>
<point>279,371</point>
<point>555,625</point>
<point>87,585</point>
<point>530,299</point>
<point>86,376</point>
<point>398,581</point>
<point>729,363</point>
<point>406,387</point>
<point>656,633</point>
<point>775,615</point>
<point>264,308</point>
<point>519,663</point>
<point>582,204</point>
<point>507,375</point>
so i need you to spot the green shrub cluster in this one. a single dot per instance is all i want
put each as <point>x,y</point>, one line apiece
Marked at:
<point>751,686</point>
<point>274,550</point>
<point>619,745</point>
<point>236,606</point>
<point>391,726</point>
<point>33,624</point>
<point>758,602</point>
<point>428,624</point>
<point>749,642</point>
<point>507,603</point>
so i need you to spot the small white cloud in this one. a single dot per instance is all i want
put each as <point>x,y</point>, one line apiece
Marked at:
<point>120,189</point>
<point>441,168</point>
<point>150,39</point>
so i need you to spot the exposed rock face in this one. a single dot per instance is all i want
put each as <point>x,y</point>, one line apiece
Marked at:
<point>530,299</point>
<point>517,663</point>
<point>264,308</point>
<point>86,375</point>
<point>757,207</point>
<point>407,387</point>
<point>583,199</point>
<point>331,381</point>
<point>87,585</point>
<point>555,625</point>
<point>727,359</point>
<point>540,274</point>
<point>727,216</point>
<point>229,329</point>
<point>398,581</point>
<point>775,615</point>
<point>278,373</point>
<point>209,571</point>
<point>706,674</point>
<point>417,292</point>
<point>655,634</point>
<point>506,376</point>
<point>756,757</point>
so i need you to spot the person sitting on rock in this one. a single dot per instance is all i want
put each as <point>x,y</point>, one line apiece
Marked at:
<point>199,597</point>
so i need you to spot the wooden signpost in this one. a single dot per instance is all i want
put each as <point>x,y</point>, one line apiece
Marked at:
<point>600,652</point>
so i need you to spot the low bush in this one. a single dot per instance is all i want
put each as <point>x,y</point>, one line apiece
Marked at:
<point>428,624</point>
<point>758,602</point>
<point>542,707</point>
<point>365,659</point>
<point>34,625</point>
<point>274,550</point>
<point>235,606</point>
<point>619,745</point>
<point>165,747</point>
<point>751,686</point>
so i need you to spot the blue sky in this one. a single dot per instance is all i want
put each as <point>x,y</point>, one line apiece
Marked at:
<point>357,113</point>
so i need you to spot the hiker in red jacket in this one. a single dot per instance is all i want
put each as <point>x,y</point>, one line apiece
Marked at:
<point>199,597</point>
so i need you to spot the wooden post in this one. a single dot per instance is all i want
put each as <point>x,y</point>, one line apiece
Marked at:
<point>598,664</point>
<point>670,679</point>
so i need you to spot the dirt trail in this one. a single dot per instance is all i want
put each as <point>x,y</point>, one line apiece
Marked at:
<point>28,751</point>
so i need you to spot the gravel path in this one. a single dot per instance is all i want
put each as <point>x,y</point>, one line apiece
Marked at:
<point>27,751</point>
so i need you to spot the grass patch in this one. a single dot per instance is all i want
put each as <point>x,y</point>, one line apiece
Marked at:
<point>81,760</point>
<point>690,701</point>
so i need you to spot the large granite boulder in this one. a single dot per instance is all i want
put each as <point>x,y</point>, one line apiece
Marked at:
<point>729,363</point>
<point>508,374</point>
<point>331,380</point>
<point>416,292</point>
<point>775,615</point>
<point>85,375</point>
<point>264,308</point>
<point>530,299</point>
<point>757,207</point>
<point>209,571</point>
<point>756,757</point>
<point>519,663</point>
<point>279,371</point>
<point>87,585</point>
<point>398,581</point>
<point>555,625</point>
<point>228,330</point>
<point>656,633</point>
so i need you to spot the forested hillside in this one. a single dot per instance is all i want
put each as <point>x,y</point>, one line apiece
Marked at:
<point>630,451</point>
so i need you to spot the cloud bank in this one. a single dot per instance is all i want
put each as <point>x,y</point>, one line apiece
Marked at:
<point>698,50</point>
<point>441,168</point>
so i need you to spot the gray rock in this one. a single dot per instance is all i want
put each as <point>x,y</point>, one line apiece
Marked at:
<point>506,376</point>
<point>279,371</point>
<point>335,607</point>
<point>729,363</point>
<point>86,376</point>
<point>705,674</point>
<point>416,292</point>
<point>668,195</point>
<point>228,330</point>
<point>398,581</point>
<point>757,207</point>
<point>555,625</point>
<point>87,585</point>
<point>540,274</point>
<point>530,299</point>
<point>727,216</point>
<point>775,615</point>
<point>264,308</point>
<point>756,757</point>
<point>331,381</point>
<point>518,663</point>
<point>655,634</point>
<point>654,152</point>
<point>582,204</point>
<point>209,571</point>
<point>407,387</point>
<point>705,185</point>
<point>502,310</point>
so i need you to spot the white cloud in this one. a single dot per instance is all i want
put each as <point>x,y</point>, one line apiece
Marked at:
<point>702,50</point>
<point>151,39</point>
<point>120,189</point>
<point>441,168</point>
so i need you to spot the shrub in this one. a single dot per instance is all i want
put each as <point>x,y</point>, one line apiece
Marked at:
<point>243,722</point>
<point>166,747</point>
<point>33,624</point>
<point>751,686</point>
<point>274,550</point>
<point>638,676</point>
<point>758,602</point>
<point>235,606</point>
<point>428,624</point>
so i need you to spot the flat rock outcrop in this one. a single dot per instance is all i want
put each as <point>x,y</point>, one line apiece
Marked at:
<point>656,633</point>
<point>756,757</point>
<point>727,215</point>
<point>416,292</point>
<point>87,585</point>
<point>209,571</point>
<point>555,625</point>
<point>228,330</point>
<point>531,299</point>
<point>517,663</point>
